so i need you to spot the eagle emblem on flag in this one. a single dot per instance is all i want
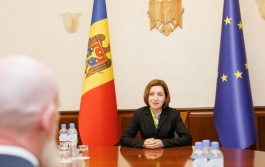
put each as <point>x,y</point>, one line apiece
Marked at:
<point>96,55</point>
<point>165,15</point>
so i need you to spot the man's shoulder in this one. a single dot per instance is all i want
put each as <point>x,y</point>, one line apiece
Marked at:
<point>11,160</point>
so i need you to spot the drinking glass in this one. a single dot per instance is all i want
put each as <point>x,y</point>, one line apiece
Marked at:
<point>64,154</point>
<point>83,162</point>
<point>83,152</point>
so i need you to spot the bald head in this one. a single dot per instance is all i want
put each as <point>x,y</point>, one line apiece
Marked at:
<point>26,88</point>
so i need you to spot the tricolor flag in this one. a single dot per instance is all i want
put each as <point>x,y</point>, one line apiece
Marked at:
<point>233,110</point>
<point>98,116</point>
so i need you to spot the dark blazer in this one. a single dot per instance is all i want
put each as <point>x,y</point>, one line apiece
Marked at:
<point>170,121</point>
<point>13,161</point>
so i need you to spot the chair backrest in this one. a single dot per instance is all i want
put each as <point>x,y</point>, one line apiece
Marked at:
<point>184,115</point>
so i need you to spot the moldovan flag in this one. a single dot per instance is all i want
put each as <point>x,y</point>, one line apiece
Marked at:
<point>98,116</point>
<point>233,111</point>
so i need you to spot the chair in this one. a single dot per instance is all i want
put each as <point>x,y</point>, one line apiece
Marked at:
<point>184,115</point>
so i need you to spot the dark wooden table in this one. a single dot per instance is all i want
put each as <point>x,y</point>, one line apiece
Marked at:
<point>118,156</point>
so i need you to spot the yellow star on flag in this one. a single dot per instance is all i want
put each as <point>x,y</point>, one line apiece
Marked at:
<point>246,65</point>
<point>224,77</point>
<point>227,20</point>
<point>240,25</point>
<point>238,74</point>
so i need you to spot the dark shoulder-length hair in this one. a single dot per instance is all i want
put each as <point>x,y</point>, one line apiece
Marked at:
<point>157,82</point>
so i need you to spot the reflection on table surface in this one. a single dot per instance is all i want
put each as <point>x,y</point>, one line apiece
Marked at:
<point>157,157</point>
<point>118,156</point>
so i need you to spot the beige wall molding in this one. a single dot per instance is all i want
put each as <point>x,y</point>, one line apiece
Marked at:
<point>199,121</point>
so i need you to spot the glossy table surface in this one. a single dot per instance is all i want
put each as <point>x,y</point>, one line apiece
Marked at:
<point>118,156</point>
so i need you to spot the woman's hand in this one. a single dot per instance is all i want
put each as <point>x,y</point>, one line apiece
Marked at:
<point>152,143</point>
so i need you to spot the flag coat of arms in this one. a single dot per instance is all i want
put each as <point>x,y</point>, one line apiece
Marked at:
<point>98,115</point>
<point>233,111</point>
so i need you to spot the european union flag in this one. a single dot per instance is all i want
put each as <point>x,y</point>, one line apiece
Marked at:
<point>233,110</point>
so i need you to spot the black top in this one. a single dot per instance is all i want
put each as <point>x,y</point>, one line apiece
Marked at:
<point>170,121</point>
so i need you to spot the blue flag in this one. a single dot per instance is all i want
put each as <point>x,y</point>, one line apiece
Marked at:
<point>233,111</point>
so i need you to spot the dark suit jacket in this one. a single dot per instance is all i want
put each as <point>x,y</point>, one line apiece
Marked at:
<point>170,121</point>
<point>13,161</point>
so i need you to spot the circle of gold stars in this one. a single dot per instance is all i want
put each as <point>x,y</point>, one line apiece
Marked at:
<point>238,74</point>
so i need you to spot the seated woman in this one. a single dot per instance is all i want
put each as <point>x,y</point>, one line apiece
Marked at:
<point>157,122</point>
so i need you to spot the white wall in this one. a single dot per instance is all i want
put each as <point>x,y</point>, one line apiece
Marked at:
<point>187,59</point>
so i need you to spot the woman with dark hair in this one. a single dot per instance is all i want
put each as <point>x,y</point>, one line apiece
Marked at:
<point>157,122</point>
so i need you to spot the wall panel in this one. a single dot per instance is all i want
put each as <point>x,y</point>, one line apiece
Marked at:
<point>200,123</point>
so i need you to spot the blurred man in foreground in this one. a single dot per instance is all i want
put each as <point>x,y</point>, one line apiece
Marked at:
<point>28,117</point>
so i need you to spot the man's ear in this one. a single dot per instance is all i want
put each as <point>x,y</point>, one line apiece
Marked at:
<point>49,118</point>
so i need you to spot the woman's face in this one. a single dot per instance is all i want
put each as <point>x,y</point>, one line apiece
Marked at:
<point>156,98</point>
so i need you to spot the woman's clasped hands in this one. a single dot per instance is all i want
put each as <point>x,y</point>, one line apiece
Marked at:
<point>152,143</point>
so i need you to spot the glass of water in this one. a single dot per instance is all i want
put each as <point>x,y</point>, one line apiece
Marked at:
<point>83,152</point>
<point>64,154</point>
